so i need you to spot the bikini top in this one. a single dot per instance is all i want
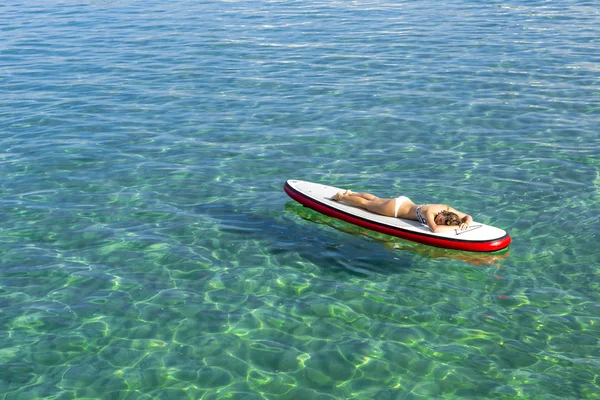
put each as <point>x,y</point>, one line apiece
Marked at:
<point>419,216</point>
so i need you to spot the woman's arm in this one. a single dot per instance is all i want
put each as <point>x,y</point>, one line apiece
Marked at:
<point>465,218</point>
<point>460,214</point>
<point>430,218</point>
<point>443,228</point>
<point>435,228</point>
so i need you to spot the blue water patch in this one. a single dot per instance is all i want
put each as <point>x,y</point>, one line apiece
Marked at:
<point>147,249</point>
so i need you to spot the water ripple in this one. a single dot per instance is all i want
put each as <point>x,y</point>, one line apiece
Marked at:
<point>148,249</point>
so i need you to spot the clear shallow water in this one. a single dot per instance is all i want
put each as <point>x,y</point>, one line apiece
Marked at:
<point>148,250</point>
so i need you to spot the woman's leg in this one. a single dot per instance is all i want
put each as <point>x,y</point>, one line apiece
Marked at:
<point>339,196</point>
<point>368,201</point>
<point>364,195</point>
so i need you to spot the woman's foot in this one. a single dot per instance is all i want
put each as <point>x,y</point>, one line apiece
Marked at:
<point>338,196</point>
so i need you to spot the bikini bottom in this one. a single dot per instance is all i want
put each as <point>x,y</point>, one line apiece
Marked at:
<point>399,201</point>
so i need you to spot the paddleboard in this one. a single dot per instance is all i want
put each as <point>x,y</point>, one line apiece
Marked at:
<point>478,237</point>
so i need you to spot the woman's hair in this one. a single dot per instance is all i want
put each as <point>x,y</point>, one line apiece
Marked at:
<point>452,218</point>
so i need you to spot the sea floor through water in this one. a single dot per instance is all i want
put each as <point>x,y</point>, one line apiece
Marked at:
<point>148,250</point>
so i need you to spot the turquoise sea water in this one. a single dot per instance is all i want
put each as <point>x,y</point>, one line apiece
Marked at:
<point>148,251</point>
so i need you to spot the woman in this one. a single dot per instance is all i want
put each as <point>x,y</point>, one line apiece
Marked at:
<point>438,217</point>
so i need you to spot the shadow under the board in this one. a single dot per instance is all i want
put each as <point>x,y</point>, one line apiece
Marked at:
<point>282,237</point>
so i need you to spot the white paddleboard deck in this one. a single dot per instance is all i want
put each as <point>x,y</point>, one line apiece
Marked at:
<point>478,237</point>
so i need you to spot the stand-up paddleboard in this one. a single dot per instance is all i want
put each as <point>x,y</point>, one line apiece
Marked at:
<point>478,237</point>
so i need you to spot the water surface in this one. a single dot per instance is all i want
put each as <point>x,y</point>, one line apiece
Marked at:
<point>147,248</point>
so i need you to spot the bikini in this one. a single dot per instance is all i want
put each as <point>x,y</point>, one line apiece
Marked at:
<point>420,216</point>
<point>399,201</point>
